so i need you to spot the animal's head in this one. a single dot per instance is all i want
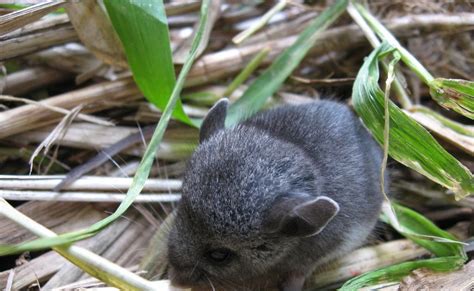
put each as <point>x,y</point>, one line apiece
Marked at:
<point>248,199</point>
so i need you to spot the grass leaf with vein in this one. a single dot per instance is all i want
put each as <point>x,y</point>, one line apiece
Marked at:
<point>410,143</point>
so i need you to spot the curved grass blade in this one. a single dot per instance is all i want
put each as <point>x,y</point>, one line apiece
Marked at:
<point>269,82</point>
<point>143,30</point>
<point>410,143</point>
<point>142,172</point>
<point>413,224</point>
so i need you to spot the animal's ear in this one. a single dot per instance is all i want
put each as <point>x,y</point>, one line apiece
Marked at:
<point>214,120</point>
<point>299,215</point>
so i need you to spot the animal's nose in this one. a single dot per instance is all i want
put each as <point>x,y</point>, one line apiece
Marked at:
<point>185,277</point>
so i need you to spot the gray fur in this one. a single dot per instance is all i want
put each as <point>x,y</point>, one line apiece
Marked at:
<point>237,178</point>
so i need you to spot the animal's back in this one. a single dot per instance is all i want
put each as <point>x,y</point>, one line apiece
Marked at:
<point>331,135</point>
<point>347,157</point>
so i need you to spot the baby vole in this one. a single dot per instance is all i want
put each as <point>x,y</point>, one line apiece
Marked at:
<point>266,202</point>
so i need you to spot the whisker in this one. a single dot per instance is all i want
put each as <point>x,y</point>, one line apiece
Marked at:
<point>210,283</point>
<point>194,268</point>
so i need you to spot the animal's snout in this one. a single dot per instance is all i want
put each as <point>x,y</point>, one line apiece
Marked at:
<point>185,276</point>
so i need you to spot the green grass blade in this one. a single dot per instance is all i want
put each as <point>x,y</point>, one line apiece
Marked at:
<point>143,30</point>
<point>13,6</point>
<point>451,256</point>
<point>269,82</point>
<point>143,169</point>
<point>397,272</point>
<point>410,143</point>
<point>454,94</point>
<point>414,226</point>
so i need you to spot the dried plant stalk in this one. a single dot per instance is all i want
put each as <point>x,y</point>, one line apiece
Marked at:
<point>77,115</point>
<point>33,271</point>
<point>17,195</point>
<point>24,81</point>
<point>29,43</point>
<point>86,183</point>
<point>46,23</point>
<point>424,279</point>
<point>22,17</point>
<point>182,7</point>
<point>178,142</point>
<point>73,58</point>
<point>94,98</point>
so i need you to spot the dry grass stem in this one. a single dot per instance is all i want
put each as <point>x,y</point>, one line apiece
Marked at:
<point>45,23</point>
<point>177,144</point>
<point>14,46</point>
<point>20,18</point>
<point>86,183</point>
<point>462,280</point>
<point>71,57</point>
<point>43,266</point>
<point>18,195</point>
<point>80,116</point>
<point>24,81</point>
<point>55,136</point>
<point>93,98</point>
<point>182,7</point>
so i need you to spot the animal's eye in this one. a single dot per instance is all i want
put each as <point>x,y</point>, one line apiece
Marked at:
<point>220,255</point>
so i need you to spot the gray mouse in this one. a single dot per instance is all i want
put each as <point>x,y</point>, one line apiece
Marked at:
<point>268,201</point>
